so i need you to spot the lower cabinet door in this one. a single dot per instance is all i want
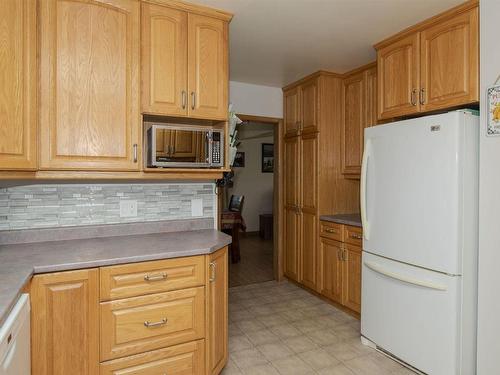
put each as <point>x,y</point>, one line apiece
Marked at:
<point>184,359</point>
<point>291,243</point>
<point>331,269</point>
<point>351,297</point>
<point>65,323</point>
<point>139,324</point>
<point>308,259</point>
<point>217,302</point>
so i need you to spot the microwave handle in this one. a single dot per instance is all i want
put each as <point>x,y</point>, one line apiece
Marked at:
<point>208,151</point>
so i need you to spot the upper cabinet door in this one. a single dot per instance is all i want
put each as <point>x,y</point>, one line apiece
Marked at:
<point>89,112</point>
<point>449,62</point>
<point>292,111</point>
<point>309,98</point>
<point>398,78</point>
<point>18,85</point>
<point>208,67</point>
<point>370,97</point>
<point>164,60</point>
<point>353,123</point>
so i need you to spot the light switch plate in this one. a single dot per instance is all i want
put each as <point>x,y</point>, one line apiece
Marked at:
<point>128,208</point>
<point>196,207</point>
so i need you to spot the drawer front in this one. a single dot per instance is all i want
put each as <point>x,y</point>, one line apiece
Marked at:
<point>138,279</point>
<point>331,230</point>
<point>183,359</point>
<point>140,324</point>
<point>353,235</point>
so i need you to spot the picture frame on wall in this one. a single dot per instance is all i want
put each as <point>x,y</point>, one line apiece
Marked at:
<point>267,157</point>
<point>239,160</point>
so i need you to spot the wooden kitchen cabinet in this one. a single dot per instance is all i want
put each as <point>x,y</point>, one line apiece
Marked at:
<point>340,261</point>
<point>309,210</point>
<point>449,62</point>
<point>217,311</point>
<point>18,85</point>
<point>359,111</point>
<point>292,208</point>
<point>65,323</point>
<point>430,66</point>
<point>164,60</point>
<point>309,106</point>
<point>89,84</point>
<point>291,99</point>
<point>351,273</point>
<point>208,67</point>
<point>331,269</point>
<point>184,62</point>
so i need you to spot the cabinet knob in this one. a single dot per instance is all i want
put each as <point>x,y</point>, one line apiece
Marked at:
<point>422,96</point>
<point>414,97</point>
<point>193,100</point>
<point>183,96</point>
<point>213,271</point>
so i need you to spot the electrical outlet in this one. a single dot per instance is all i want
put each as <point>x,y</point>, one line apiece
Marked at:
<point>128,208</point>
<point>196,207</point>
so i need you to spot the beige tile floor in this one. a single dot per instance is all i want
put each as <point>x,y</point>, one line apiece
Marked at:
<point>281,329</point>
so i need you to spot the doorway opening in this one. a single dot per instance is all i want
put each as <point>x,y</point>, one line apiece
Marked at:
<point>250,203</point>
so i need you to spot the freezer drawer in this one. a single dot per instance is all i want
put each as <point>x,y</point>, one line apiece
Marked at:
<point>412,313</point>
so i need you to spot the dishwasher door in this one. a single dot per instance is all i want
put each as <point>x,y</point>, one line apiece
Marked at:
<point>15,340</point>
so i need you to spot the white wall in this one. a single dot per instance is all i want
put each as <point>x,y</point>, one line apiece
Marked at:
<point>256,100</point>
<point>489,202</point>
<point>257,187</point>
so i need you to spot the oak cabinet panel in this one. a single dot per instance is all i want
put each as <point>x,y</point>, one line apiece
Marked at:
<point>292,209</point>
<point>351,271</point>
<point>331,269</point>
<point>207,67</point>
<point>292,111</point>
<point>18,85</point>
<point>138,324</point>
<point>164,60</point>
<point>309,106</point>
<point>398,77</point>
<point>186,359</point>
<point>434,66</point>
<point>449,62</point>
<point>65,323</point>
<point>370,97</point>
<point>89,61</point>
<point>353,123</point>
<point>309,251</point>
<point>217,297</point>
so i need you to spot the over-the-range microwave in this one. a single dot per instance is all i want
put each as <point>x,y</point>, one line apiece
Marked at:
<point>183,146</point>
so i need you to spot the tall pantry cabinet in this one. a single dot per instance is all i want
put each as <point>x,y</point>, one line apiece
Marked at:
<point>313,181</point>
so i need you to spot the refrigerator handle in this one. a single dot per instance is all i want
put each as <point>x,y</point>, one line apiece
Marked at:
<point>410,280</point>
<point>364,174</point>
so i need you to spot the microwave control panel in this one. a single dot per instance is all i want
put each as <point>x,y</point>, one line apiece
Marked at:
<point>216,148</point>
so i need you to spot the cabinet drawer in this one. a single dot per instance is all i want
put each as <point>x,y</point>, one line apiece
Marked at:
<point>331,230</point>
<point>353,235</point>
<point>183,359</point>
<point>138,279</point>
<point>140,324</point>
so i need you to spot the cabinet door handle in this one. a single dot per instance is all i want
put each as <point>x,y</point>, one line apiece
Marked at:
<point>157,277</point>
<point>414,97</point>
<point>422,96</point>
<point>135,152</point>
<point>339,250</point>
<point>344,255</point>
<point>330,230</point>
<point>213,271</point>
<point>193,100</point>
<point>149,324</point>
<point>184,99</point>
<point>356,236</point>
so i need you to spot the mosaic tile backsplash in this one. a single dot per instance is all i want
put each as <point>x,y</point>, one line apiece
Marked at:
<point>43,206</point>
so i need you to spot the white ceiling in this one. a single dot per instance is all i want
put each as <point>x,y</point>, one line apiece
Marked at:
<point>275,42</point>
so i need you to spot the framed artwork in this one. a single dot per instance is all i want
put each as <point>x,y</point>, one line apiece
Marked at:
<point>268,158</point>
<point>239,160</point>
<point>493,101</point>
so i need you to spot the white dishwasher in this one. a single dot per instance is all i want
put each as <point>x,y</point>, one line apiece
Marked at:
<point>15,340</point>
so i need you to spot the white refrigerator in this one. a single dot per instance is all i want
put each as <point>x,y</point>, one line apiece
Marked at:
<point>419,203</point>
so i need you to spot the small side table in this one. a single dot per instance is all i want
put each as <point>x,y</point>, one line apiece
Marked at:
<point>266,226</point>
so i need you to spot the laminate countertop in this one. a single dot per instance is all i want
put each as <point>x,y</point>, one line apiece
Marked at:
<point>347,219</point>
<point>102,247</point>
